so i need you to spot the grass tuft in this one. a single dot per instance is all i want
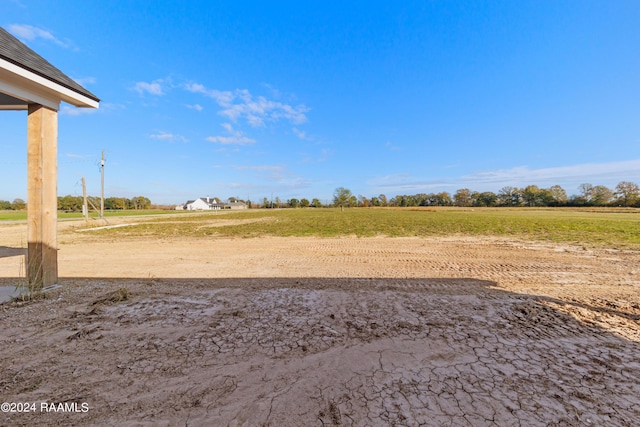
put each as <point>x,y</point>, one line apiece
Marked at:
<point>119,295</point>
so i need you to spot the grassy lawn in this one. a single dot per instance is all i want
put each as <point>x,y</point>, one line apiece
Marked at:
<point>22,215</point>
<point>603,227</point>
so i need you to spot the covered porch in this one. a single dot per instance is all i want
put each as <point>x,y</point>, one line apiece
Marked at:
<point>30,83</point>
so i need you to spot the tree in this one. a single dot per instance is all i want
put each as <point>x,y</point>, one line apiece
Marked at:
<point>442,199</point>
<point>602,195</point>
<point>18,204</point>
<point>462,197</point>
<point>116,203</point>
<point>422,199</point>
<point>586,191</point>
<point>342,197</point>
<point>531,195</point>
<point>316,203</point>
<point>401,201</point>
<point>304,203</point>
<point>627,193</point>
<point>70,203</point>
<point>294,203</point>
<point>5,205</point>
<point>509,196</point>
<point>558,195</point>
<point>486,198</point>
<point>111,203</point>
<point>545,198</point>
<point>383,200</point>
<point>140,202</point>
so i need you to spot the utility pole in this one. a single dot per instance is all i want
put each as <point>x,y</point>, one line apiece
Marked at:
<point>85,207</point>
<point>102,194</point>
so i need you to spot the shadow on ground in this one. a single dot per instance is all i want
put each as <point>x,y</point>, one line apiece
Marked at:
<point>316,351</point>
<point>6,251</point>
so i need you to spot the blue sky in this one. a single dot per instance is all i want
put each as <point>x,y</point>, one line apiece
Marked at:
<point>294,99</point>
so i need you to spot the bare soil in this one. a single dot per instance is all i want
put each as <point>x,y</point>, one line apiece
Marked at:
<point>309,331</point>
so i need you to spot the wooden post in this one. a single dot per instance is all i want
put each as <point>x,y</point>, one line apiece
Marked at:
<point>85,206</point>
<point>42,196</point>
<point>102,193</point>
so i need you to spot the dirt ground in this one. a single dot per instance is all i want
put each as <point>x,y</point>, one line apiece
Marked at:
<point>308,331</point>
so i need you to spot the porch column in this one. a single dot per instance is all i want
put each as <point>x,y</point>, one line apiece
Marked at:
<point>42,196</point>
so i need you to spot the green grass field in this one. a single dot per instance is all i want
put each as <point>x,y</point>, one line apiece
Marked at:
<point>22,215</point>
<point>603,227</point>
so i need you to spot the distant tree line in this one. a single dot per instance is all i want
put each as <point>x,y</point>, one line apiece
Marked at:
<point>16,205</point>
<point>74,203</point>
<point>626,194</point>
<point>291,203</point>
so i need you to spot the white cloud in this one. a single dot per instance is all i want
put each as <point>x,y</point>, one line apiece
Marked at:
<point>274,92</point>
<point>262,168</point>
<point>224,149</point>
<point>221,97</point>
<point>228,127</point>
<point>166,136</point>
<point>587,171</point>
<point>196,107</point>
<point>153,88</point>
<point>231,140</point>
<point>300,134</point>
<point>85,80</point>
<point>405,183</point>
<point>235,137</point>
<point>256,111</point>
<point>31,33</point>
<point>569,177</point>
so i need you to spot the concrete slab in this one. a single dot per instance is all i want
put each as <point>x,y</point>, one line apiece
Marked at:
<point>8,292</point>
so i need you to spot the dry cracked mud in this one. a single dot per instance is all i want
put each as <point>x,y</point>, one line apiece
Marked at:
<point>326,332</point>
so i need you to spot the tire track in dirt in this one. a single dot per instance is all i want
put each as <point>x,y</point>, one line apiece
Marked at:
<point>452,259</point>
<point>332,332</point>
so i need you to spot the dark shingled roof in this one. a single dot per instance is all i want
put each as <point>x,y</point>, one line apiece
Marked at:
<point>14,51</point>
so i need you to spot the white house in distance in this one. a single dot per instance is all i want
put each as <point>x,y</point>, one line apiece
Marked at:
<point>201,204</point>
<point>209,204</point>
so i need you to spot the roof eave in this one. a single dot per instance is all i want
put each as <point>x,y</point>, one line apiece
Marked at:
<point>33,88</point>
